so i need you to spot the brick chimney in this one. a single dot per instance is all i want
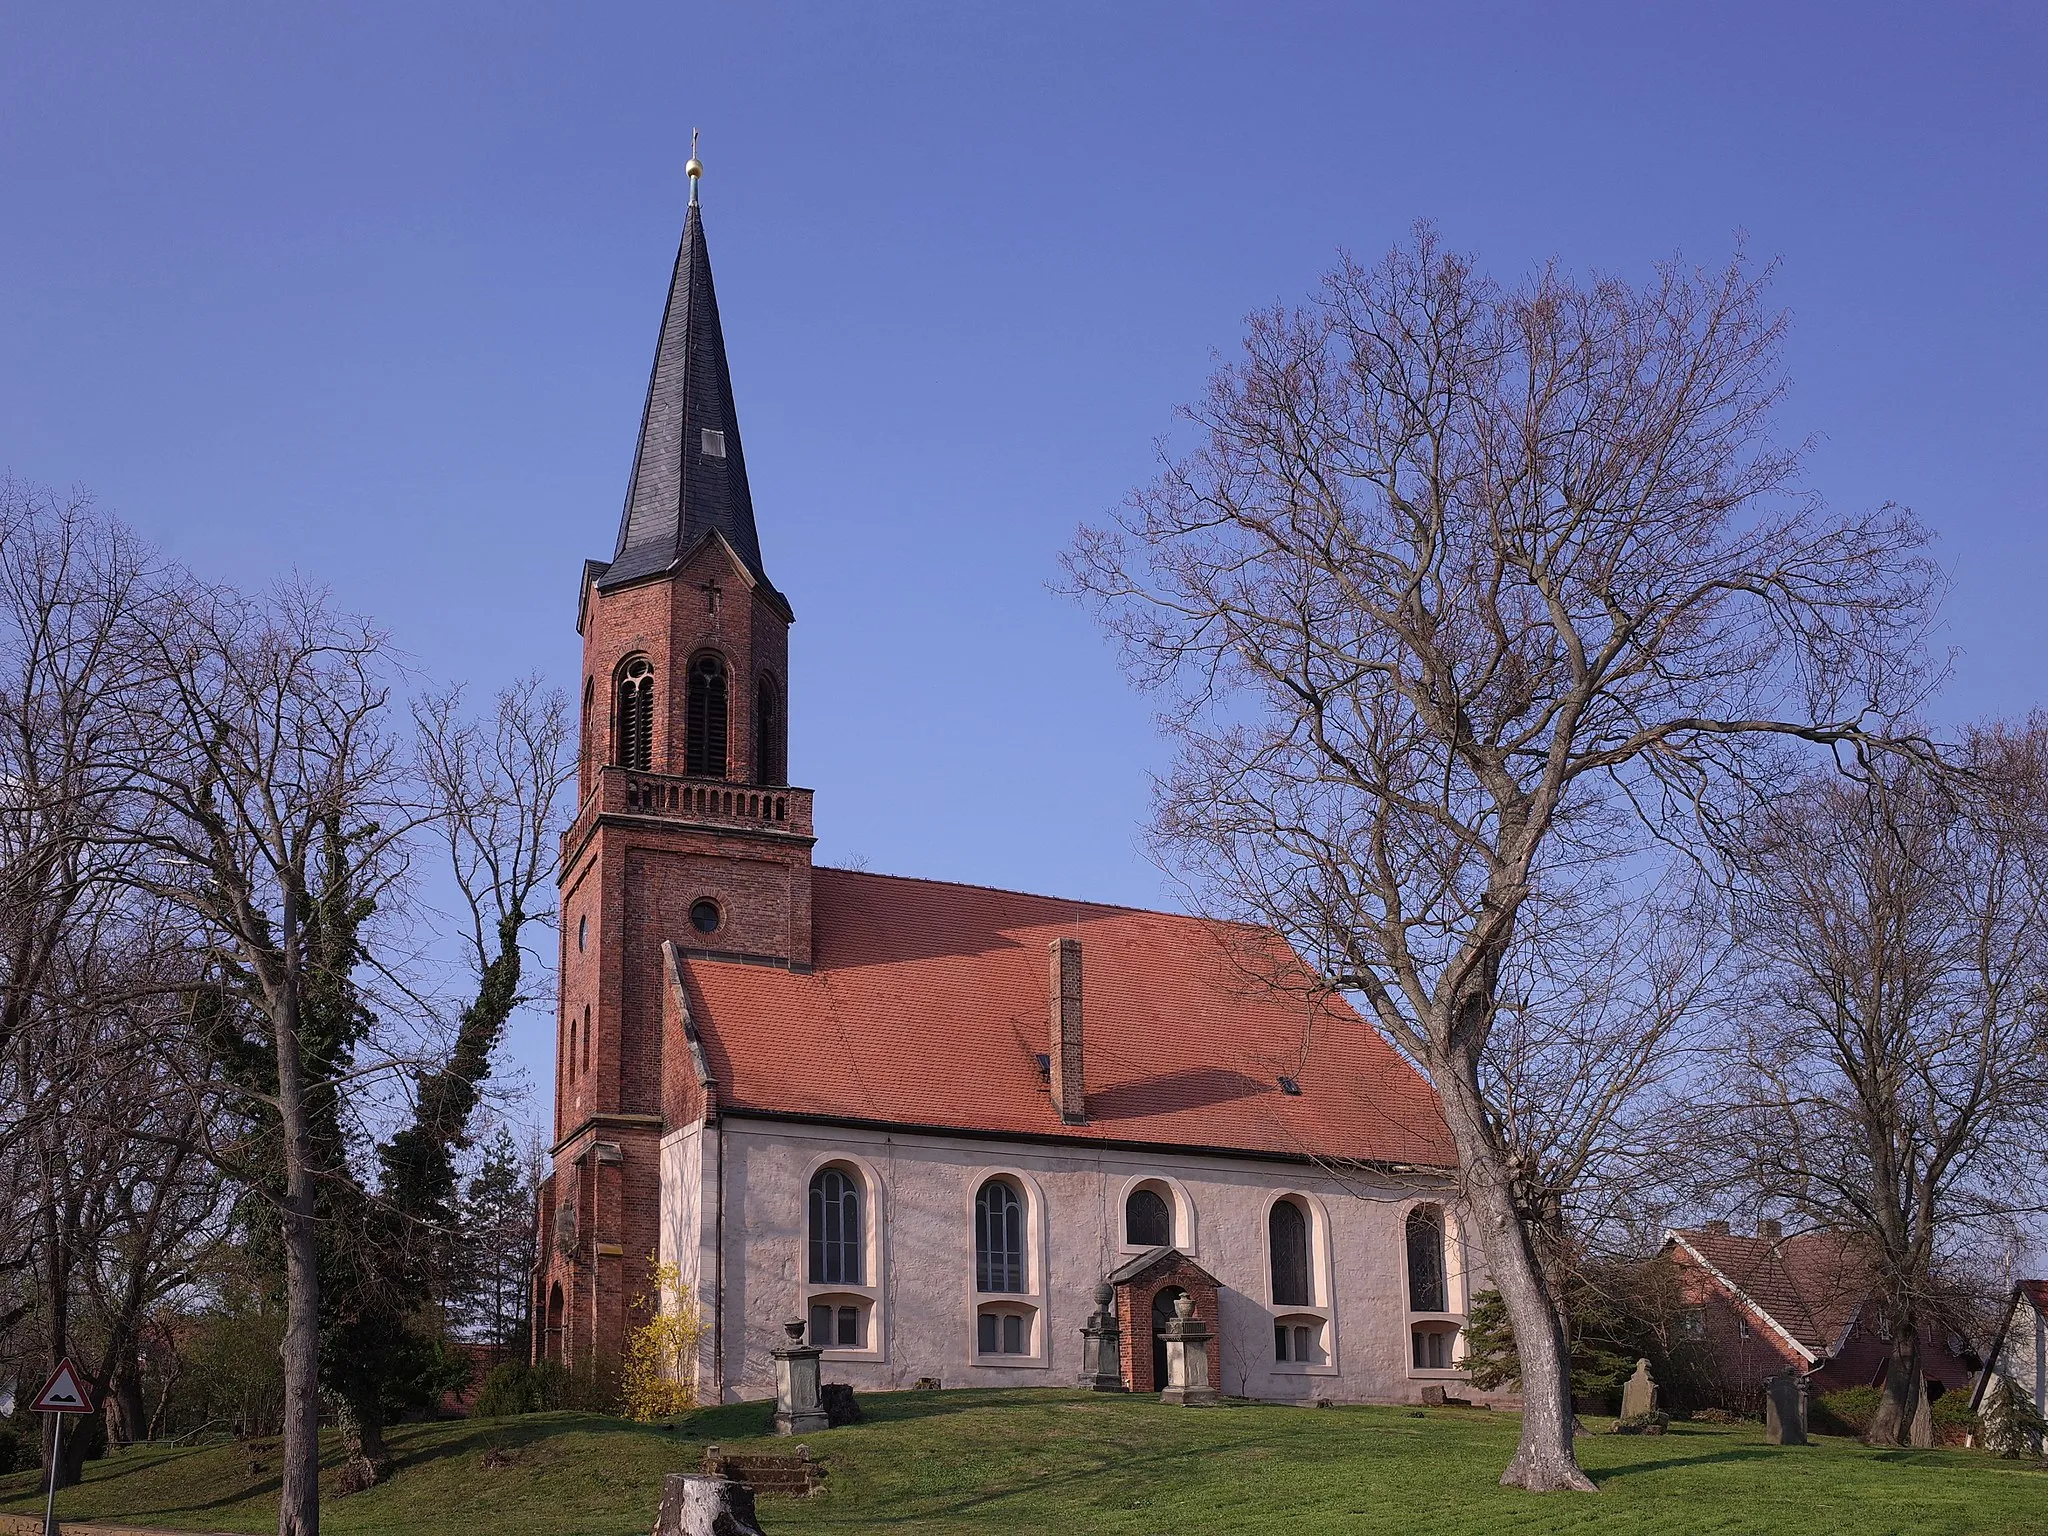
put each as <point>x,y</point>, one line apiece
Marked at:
<point>1717,1229</point>
<point>1069,1095</point>
<point>1770,1229</point>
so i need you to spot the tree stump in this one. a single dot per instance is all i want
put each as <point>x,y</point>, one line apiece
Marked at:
<point>695,1505</point>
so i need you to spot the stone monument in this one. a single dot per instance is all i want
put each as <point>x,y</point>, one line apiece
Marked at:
<point>1187,1359</point>
<point>1639,1392</point>
<point>1102,1360</point>
<point>694,1505</point>
<point>1785,1408</point>
<point>799,1403</point>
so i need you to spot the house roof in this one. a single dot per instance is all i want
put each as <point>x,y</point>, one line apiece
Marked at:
<point>1810,1286</point>
<point>927,1005</point>
<point>1166,1257</point>
<point>679,492</point>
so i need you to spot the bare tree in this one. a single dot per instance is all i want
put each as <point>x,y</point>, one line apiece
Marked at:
<point>1465,594</point>
<point>1892,1071</point>
<point>489,791</point>
<point>97,1203</point>
<point>277,821</point>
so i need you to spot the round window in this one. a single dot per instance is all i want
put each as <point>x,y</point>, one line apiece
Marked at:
<point>704,915</point>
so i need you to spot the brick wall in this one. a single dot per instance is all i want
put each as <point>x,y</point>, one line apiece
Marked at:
<point>1134,1301</point>
<point>629,880</point>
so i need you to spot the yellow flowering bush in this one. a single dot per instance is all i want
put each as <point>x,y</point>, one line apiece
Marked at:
<point>661,1354</point>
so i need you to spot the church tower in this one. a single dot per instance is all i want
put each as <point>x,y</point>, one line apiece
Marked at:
<point>687,832</point>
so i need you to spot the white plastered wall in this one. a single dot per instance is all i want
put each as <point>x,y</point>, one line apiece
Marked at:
<point>921,1234</point>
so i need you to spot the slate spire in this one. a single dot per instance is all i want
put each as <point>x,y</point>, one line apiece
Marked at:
<point>689,471</point>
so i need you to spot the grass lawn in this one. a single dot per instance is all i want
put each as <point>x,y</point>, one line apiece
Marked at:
<point>956,1463</point>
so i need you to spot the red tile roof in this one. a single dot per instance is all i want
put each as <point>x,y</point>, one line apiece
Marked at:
<point>1811,1285</point>
<point>2036,1291</point>
<point>927,1005</point>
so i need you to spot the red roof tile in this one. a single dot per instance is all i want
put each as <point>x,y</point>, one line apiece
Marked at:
<point>1811,1285</point>
<point>927,1005</point>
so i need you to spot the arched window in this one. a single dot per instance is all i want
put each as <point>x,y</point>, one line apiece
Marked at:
<point>705,747</point>
<point>998,1238</point>
<point>1147,1222</point>
<point>583,741</point>
<point>771,759</point>
<point>586,1037</point>
<point>1287,1237</point>
<point>837,1236</point>
<point>633,737</point>
<point>1426,1289</point>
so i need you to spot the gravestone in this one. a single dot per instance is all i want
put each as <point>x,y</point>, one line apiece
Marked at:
<point>1102,1361</point>
<point>695,1505</point>
<point>1187,1359</point>
<point>799,1404</point>
<point>1639,1392</point>
<point>1785,1408</point>
<point>840,1405</point>
<point>1434,1396</point>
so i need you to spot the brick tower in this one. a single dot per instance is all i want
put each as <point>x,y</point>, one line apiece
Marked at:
<point>686,831</point>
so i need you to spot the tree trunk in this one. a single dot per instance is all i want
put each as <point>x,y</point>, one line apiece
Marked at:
<point>298,1509</point>
<point>362,1436</point>
<point>131,1415</point>
<point>298,1512</point>
<point>1893,1422</point>
<point>1544,1460</point>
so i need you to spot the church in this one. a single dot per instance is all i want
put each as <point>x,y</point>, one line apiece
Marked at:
<point>929,1122</point>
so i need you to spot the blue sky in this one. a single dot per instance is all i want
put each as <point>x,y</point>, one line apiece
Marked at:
<point>369,292</point>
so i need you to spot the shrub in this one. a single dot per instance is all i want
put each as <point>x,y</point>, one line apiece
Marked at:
<point>512,1388</point>
<point>1953,1420</point>
<point>1716,1416</point>
<point>1846,1411</point>
<point>10,1449</point>
<point>655,1380</point>
<point>2012,1423</point>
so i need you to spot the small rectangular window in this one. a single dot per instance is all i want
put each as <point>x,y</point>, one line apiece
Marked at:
<point>1013,1334</point>
<point>988,1336</point>
<point>821,1327</point>
<point>714,444</point>
<point>1279,1341</point>
<point>1302,1350</point>
<point>849,1327</point>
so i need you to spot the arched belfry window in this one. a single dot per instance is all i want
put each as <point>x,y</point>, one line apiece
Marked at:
<point>1427,1291</point>
<point>998,1238</point>
<point>1147,1222</point>
<point>771,752</point>
<point>633,742</point>
<point>1287,1237</point>
<point>836,1231</point>
<point>706,730</point>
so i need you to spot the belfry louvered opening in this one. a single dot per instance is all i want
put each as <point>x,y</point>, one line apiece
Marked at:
<point>706,745</point>
<point>770,760</point>
<point>633,732</point>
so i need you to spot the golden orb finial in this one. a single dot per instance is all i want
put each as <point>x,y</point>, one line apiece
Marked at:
<point>695,168</point>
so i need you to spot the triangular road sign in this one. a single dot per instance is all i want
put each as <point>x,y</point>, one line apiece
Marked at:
<point>64,1392</point>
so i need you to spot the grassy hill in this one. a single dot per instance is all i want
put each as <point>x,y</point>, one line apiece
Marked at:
<point>983,1462</point>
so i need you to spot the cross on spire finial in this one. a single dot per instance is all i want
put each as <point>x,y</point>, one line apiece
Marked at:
<point>695,168</point>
